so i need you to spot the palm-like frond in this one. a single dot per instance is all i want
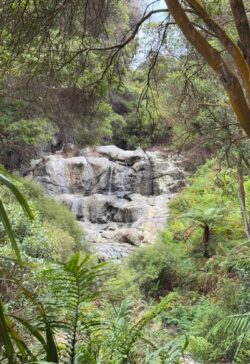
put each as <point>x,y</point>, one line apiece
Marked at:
<point>10,339</point>
<point>73,284</point>
<point>236,325</point>
<point>204,216</point>
<point>39,327</point>
<point>70,285</point>
<point>5,339</point>
<point>7,227</point>
<point>6,181</point>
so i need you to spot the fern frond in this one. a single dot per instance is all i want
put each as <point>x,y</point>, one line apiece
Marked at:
<point>60,313</point>
<point>6,181</point>
<point>71,285</point>
<point>236,325</point>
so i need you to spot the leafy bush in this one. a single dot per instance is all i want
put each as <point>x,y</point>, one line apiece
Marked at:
<point>53,234</point>
<point>31,131</point>
<point>161,267</point>
<point>54,212</point>
<point>200,348</point>
<point>39,238</point>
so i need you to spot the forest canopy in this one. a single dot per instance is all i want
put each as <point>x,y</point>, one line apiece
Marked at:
<point>61,39</point>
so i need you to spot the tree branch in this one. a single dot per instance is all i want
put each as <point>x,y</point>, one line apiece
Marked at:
<point>230,46</point>
<point>116,47</point>
<point>214,59</point>
<point>242,25</point>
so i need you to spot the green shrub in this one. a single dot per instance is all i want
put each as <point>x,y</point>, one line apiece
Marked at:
<point>39,238</point>
<point>54,212</point>
<point>31,131</point>
<point>200,349</point>
<point>160,268</point>
<point>53,234</point>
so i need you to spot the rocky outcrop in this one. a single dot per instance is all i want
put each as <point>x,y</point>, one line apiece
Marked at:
<point>125,156</point>
<point>108,170</point>
<point>119,197</point>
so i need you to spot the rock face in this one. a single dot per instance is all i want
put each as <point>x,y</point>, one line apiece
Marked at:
<point>119,197</point>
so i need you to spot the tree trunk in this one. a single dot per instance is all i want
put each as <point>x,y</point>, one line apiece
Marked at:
<point>238,98</point>
<point>242,25</point>
<point>205,241</point>
<point>231,47</point>
<point>241,193</point>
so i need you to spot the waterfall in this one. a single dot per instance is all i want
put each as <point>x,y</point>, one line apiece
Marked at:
<point>123,184</point>
<point>110,178</point>
<point>76,205</point>
<point>119,197</point>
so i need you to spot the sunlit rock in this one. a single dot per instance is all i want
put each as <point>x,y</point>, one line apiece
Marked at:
<point>119,197</point>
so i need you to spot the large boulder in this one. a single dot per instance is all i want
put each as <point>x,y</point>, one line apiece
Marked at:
<point>165,173</point>
<point>116,154</point>
<point>100,208</point>
<point>73,175</point>
<point>74,203</point>
<point>131,236</point>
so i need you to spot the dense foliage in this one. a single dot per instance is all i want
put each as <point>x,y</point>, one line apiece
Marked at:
<point>53,233</point>
<point>208,290</point>
<point>117,302</point>
<point>99,72</point>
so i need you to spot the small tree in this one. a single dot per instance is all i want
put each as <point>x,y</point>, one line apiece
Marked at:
<point>204,218</point>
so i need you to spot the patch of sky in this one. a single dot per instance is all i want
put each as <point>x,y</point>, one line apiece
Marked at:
<point>151,33</point>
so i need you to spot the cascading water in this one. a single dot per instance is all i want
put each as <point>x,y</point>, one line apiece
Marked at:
<point>122,189</point>
<point>110,178</point>
<point>119,197</point>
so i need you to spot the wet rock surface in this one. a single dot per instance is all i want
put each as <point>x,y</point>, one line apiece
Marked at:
<point>119,197</point>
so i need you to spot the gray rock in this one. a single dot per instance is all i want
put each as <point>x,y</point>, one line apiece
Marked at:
<point>34,163</point>
<point>119,197</point>
<point>128,235</point>
<point>117,154</point>
<point>70,149</point>
<point>73,202</point>
<point>101,208</point>
<point>130,212</point>
<point>110,250</point>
